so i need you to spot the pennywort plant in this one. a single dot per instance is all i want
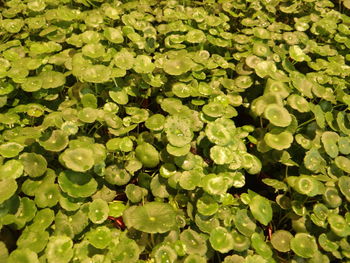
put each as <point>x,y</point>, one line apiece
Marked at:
<point>174,131</point>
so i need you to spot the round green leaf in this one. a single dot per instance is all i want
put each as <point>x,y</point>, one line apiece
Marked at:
<point>344,186</point>
<point>221,131</point>
<point>213,109</point>
<point>277,87</point>
<point>258,243</point>
<point>116,208</point>
<point>181,90</point>
<point>189,180</point>
<point>59,249</point>
<point>243,82</point>
<point>87,115</point>
<point>24,255</point>
<point>207,206</point>
<point>240,242</point>
<point>221,240</point>
<point>178,151</point>
<point>125,251</point>
<point>344,145</point>
<point>214,184</point>
<point>10,149</point>
<point>34,164</point>
<point>164,253</point>
<point>261,209</point>
<point>57,142</point>
<point>194,242</point>
<point>329,140</point>
<point>277,115</point>
<point>195,36</point>
<point>307,185</point>
<point>34,240</point>
<point>155,122</point>
<point>11,169</point>
<point>47,196</point>
<point>96,73</point>
<point>115,175</point>
<point>9,187</point>
<point>343,163</point>
<point>143,64</point>
<point>153,217</point>
<point>194,258</point>
<point>177,66</point>
<point>234,259</point>
<point>280,240</point>
<point>338,225</point>
<point>244,223</point>
<point>147,155</point>
<point>78,159</point>
<point>52,79</point>
<point>43,219</point>
<point>304,245</point>
<point>12,25</point>
<point>135,193</point>
<point>98,211</point>
<point>178,131</point>
<point>298,103</point>
<point>77,184</point>
<point>279,141</point>
<point>113,35</point>
<point>124,59</point>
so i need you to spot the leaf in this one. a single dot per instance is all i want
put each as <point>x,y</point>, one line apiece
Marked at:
<point>100,237</point>
<point>78,159</point>
<point>240,242</point>
<point>261,209</point>
<point>10,149</point>
<point>24,255</point>
<point>279,141</point>
<point>207,206</point>
<point>164,253</point>
<point>304,245</point>
<point>113,35</point>
<point>59,249</point>
<point>153,217</point>
<point>98,211</point>
<point>221,240</point>
<point>344,186</point>
<point>220,131</point>
<point>244,223</point>
<point>177,66</point>
<point>280,240</point>
<point>77,184</point>
<point>221,155</point>
<point>258,243</point>
<point>194,243</point>
<point>143,64</point>
<point>11,169</point>
<point>298,103</point>
<point>329,140</point>
<point>9,187</point>
<point>147,155</point>
<point>124,59</point>
<point>57,142</point>
<point>34,164</point>
<point>343,163</point>
<point>277,115</point>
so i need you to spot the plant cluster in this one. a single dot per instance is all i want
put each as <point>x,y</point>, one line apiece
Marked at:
<point>174,131</point>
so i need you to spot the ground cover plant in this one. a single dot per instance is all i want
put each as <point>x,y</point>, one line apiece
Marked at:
<point>174,131</point>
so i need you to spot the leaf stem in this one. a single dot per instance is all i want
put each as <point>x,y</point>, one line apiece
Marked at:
<point>306,122</point>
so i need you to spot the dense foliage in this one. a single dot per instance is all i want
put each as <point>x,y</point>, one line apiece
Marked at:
<point>174,131</point>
